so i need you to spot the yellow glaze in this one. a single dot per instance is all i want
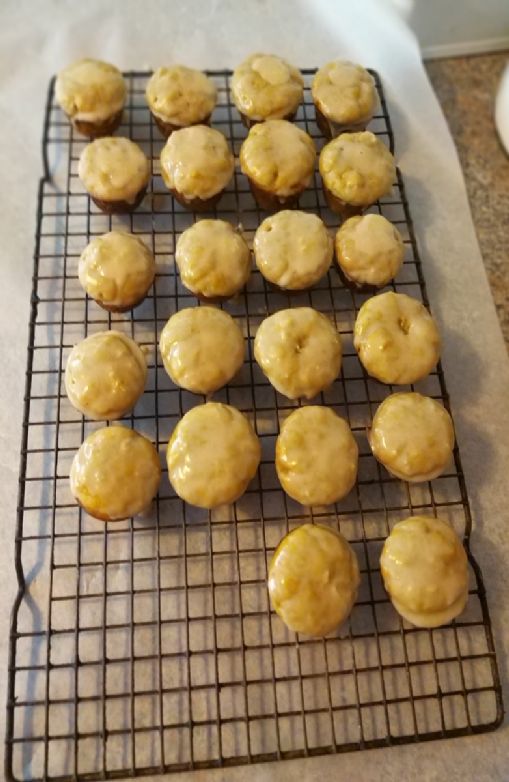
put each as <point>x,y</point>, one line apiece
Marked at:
<point>412,436</point>
<point>114,169</point>
<point>344,92</point>
<point>115,474</point>
<point>105,375</point>
<point>299,351</point>
<point>266,87</point>
<point>424,569</point>
<point>197,162</point>
<point>213,259</point>
<point>293,249</point>
<point>369,250</point>
<point>313,580</point>
<point>212,455</point>
<point>202,349</point>
<point>316,456</point>
<point>181,96</point>
<point>396,338</point>
<point>90,90</point>
<point>357,168</point>
<point>116,269</point>
<point>278,157</point>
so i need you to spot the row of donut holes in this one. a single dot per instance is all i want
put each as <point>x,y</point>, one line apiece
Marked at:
<point>265,198</point>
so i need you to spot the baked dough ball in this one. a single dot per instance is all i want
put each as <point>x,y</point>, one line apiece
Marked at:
<point>115,474</point>
<point>313,580</point>
<point>266,87</point>
<point>412,436</point>
<point>115,172</point>
<point>213,259</point>
<point>299,351</point>
<point>357,169</point>
<point>278,158</point>
<point>202,349</point>
<point>196,166</point>
<point>212,455</point>
<point>92,94</point>
<point>344,96</point>
<point>424,569</point>
<point>396,338</point>
<point>369,250</point>
<point>116,270</point>
<point>316,456</point>
<point>293,249</point>
<point>178,96</point>
<point>105,375</point>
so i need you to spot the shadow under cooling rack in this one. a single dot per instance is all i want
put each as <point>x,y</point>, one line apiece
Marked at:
<point>148,645</point>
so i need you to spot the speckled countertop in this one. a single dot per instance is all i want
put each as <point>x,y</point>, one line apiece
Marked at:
<point>466,88</point>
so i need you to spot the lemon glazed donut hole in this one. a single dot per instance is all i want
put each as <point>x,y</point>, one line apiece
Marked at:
<point>105,375</point>
<point>196,166</point>
<point>115,474</point>
<point>316,456</point>
<point>299,351</point>
<point>369,252</point>
<point>115,173</point>
<point>412,436</point>
<point>344,96</point>
<point>92,93</point>
<point>356,169</point>
<point>178,96</point>
<point>202,349</point>
<point>313,580</point>
<point>396,339</point>
<point>266,87</point>
<point>213,259</point>
<point>213,454</point>
<point>425,571</point>
<point>293,249</point>
<point>278,159</point>
<point>116,270</point>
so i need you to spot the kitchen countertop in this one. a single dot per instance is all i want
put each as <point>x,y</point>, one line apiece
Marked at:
<point>466,88</point>
<point>214,34</point>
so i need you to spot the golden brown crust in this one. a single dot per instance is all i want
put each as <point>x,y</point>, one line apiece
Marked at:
<point>119,207</point>
<point>248,122</point>
<point>197,204</point>
<point>97,129</point>
<point>167,128</point>
<point>355,286</point>
<point>113,308</point>
<point>339,206</point>
<point>270,201</point>
<point>330,130</point>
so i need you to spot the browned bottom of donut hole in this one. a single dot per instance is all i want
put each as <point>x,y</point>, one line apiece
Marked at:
<point>97,129</point>
<point>167,128</point>
<point>331,129</point>
<point>197,204</point>
<point>341,207</point>
<point>271,202</point>
<point>122,206</point>
<point>357,287</point>
<point>248,122</point>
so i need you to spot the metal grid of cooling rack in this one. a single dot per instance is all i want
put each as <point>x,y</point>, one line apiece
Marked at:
<point>148,645</point>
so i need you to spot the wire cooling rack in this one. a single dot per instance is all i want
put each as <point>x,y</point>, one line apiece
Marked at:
<point>148,645</point>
